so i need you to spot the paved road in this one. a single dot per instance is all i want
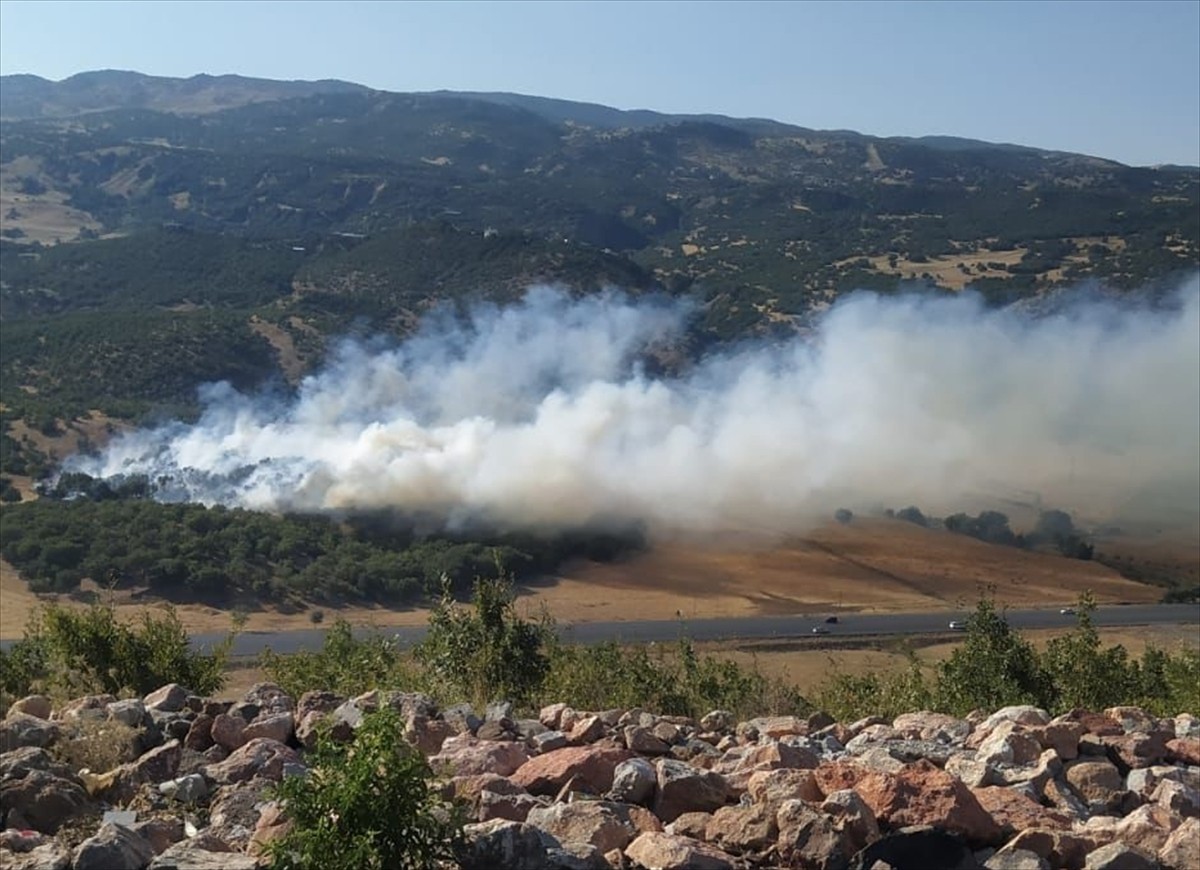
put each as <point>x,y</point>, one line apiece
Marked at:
<point>757,627</point>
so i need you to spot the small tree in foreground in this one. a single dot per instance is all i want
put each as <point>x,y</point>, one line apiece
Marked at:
<point>365,805</point>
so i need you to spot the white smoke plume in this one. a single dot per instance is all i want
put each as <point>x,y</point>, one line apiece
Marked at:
<point>538,415</point>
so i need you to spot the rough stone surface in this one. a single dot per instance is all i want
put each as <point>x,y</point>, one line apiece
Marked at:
<point>171,698</point>
<point>683,789</point>
<point>593,822</point>
<point>663,851</point>
<point>503,843</point>
<point>1118,856</point>
<point>261,757</point>
<point>1181,851</point>
<point>465,755</point>
<point>590,765</point>
<point>922,794</point>
<point>634,781</point>
<point>42,801</point>
<point>113,847</point>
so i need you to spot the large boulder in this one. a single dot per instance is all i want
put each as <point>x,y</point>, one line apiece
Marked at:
<point>592,766</point>
<point>684,789</point>
<point>465,755</point>
<point>809,838</point>
<point>261,757</point>
<point>634,781</point>
<point>1181,851</point>
<point>662,851</point>
<point>593,822</point>
<point>922,794</point>
<point>500,843</point>
<point>42,801</point>
<point>113,847</point>
<point>21,729</point>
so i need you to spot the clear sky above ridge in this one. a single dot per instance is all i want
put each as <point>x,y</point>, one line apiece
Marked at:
<point>1119,80</point>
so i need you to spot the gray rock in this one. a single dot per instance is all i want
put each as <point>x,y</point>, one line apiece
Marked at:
<point>548,741</point>
<point>1017,859</point>
<point>683,788</point>
<point>50,856</point>
<point>42,801</point>
<point>633,781</point>
<point>1118,856</point>
<point>501,843</point>
<point>113,847</point>
<point>187,789</point>
<point>131,712</point>
<point>21,729</point>
<point>185,856</point>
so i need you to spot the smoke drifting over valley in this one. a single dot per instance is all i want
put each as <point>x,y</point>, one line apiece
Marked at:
<point>540,415</point>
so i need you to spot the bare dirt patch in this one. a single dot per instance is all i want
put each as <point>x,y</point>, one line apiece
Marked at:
<point>285,348</point>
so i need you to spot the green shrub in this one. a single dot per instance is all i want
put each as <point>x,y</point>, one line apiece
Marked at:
<point>680,683</point>
<point>66,651</point>
<point>366,804</point>
<point>486,651</point>
<point>994,667</point>
<point>345,664</point>
<point>849,697</point>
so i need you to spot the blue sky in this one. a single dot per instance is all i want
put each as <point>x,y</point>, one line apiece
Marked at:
<point>1114,79</point>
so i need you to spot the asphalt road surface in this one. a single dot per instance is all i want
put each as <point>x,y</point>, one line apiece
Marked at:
<point>781,628</point>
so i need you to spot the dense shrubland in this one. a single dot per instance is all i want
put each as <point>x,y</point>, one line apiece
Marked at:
<point>111,534</point>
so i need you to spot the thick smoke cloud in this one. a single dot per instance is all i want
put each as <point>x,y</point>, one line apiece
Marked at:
<point>539,415</point>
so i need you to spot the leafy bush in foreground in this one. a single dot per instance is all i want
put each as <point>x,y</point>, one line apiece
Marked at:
<point>365,805</point>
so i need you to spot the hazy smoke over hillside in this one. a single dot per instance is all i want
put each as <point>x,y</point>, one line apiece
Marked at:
<point>539,415</point>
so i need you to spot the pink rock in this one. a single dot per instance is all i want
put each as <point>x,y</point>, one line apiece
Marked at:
<point>466,755</point>
<point>587,730</point>
<point>741,829</point>
<point>1007,744</point>
<point>260,758</point>
<point>776,786</point>
<point>199,736</point>
<point>1181,851</point>
<point>1062,737</point>
<point>1184,750</point>
<point>737,765</point>
<point>1058,848</point>
<point>1148,827</point>
<point>228,732</point>
<point>38,706</point>
<point>550,715</point>
<point>549,772</point>
<point>1138,749</point>
<point>923,794</point>
<point>276,726</point>
<point>1014,811</point>
<point>834,776</point>
<point>272,825</point>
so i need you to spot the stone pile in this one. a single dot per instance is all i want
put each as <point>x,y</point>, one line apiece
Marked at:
<point>575,789</point>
